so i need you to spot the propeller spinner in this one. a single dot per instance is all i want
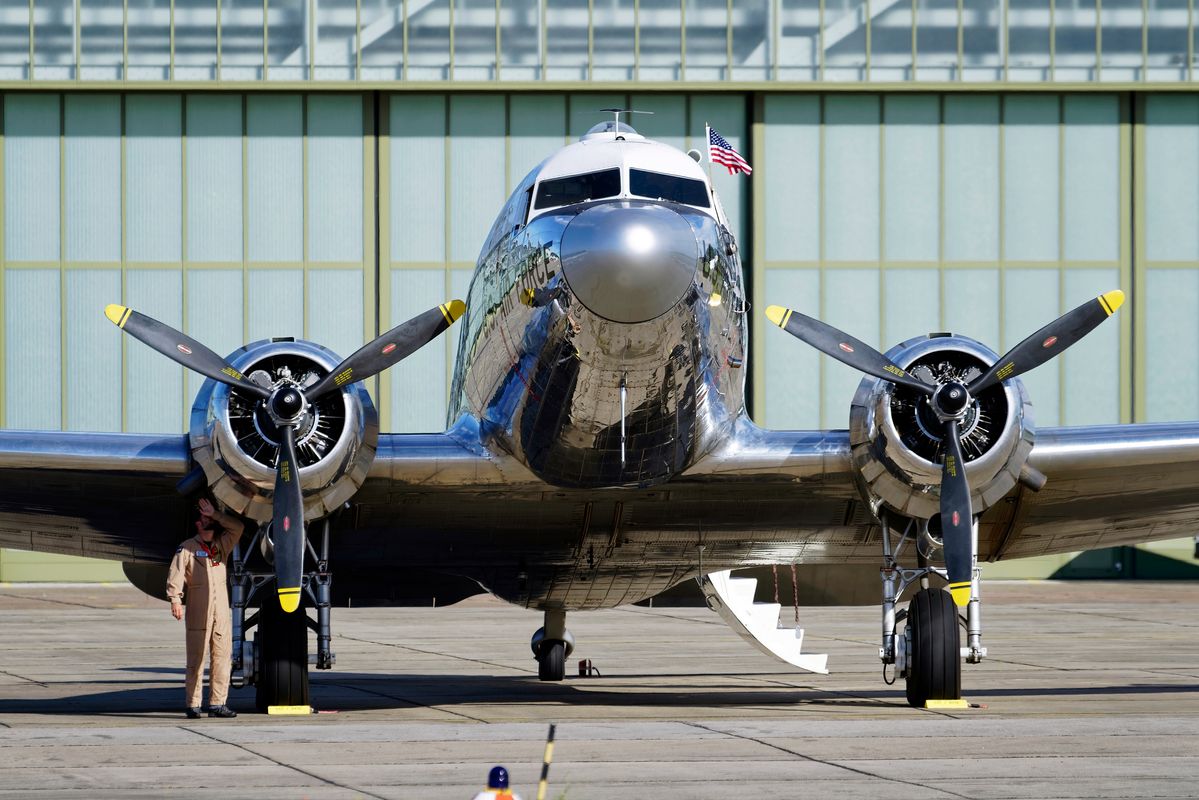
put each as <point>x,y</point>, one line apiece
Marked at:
<point>286,406</point>
<point>950,402</point>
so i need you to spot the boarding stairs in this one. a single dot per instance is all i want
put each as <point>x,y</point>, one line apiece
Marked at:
<point>758,623</point>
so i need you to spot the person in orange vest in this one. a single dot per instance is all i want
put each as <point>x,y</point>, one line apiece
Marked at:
<point>199,567</point>
<point>497,786</point>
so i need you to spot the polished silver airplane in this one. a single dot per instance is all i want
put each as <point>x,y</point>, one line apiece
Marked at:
<point>598,450</point>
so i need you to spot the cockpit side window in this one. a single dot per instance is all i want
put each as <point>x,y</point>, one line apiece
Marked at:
<point>578,188</point>
<point>668,187</point>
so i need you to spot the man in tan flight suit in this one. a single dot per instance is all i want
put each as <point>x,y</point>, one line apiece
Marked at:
<point>199,566</point>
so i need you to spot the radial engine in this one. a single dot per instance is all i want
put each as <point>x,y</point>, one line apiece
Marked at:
<point>896,440</point>
<point>235,440</point>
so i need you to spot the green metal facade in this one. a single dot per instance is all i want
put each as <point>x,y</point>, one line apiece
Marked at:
<point>327,168</point>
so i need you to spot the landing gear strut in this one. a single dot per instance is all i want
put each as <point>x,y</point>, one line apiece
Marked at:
<point>928,654</point>
<point>552,644</point>
<point>276,660</point>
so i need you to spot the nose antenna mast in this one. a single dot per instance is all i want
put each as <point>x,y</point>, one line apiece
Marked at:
<point>616,112</point>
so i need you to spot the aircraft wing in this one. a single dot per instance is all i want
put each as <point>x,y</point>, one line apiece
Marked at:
<point>100,495</point>
<point>1108,485</point>
<point>764,496</point>
<point>118,495</point>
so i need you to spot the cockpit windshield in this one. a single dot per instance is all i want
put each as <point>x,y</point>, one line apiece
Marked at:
<point>668,187</point>
<point>578,188</point>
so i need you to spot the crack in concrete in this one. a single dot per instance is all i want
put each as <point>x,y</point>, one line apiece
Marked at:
<point>279,763</point>
<point>413,703</point>
<point>814,760</point>
<point>434,653</point>
<point>54,602</point>
<point>23,678</point>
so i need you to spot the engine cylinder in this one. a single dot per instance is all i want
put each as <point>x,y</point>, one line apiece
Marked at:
<point>235,440</point>
<point>894,433</point>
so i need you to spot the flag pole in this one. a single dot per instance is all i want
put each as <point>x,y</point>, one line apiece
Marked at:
<point>708,149</point>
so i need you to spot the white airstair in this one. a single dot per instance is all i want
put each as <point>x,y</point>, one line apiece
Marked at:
<point>758,623</point>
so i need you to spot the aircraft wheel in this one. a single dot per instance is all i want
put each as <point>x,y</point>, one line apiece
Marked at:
<point>935,665</point>
<point>551,660</point>
<point>283,668</point>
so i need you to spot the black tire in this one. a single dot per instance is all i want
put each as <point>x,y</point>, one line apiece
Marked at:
<point>283,653</point>
<point>551,660</point>
<point>935,668</point>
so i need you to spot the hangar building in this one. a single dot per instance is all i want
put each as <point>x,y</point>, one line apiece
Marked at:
<point>326,168</point>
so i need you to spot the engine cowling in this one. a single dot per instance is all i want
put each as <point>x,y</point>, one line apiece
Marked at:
<point>896,452</point>
<point>235,442</point>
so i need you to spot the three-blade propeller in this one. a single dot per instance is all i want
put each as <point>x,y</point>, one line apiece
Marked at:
<point>950,402</point>
<point>286,405</point>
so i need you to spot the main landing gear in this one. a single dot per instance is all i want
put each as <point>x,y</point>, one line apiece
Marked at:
<point>552,644</point>
<point>928,653</point>
<point>276,661</point>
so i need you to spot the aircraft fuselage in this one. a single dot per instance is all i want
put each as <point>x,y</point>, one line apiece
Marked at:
<point>604,339</point>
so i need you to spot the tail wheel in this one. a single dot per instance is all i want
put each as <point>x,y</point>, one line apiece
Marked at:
<point>283,669</point>
<point>934,665</point>
<point>551,660</point>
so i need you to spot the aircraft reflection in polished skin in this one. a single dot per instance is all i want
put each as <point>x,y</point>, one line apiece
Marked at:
<point>599,452</point>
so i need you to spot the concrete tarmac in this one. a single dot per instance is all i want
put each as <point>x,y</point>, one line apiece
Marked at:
<point>1091,690</point>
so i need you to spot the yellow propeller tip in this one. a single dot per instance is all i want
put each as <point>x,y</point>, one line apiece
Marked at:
<point>776,314</point>
<point>289,599</point>
<point>116,314</point>
<point>1111,301</point>
<point>961,595</point>
<point>455,309</point>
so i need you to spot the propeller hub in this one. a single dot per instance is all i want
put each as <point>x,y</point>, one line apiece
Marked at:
<point>286,405</point>
<point>951,400</point>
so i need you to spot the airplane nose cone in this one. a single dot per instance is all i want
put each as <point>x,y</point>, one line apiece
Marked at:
<point>629,263</point>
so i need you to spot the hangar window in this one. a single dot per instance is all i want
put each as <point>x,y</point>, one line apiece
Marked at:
<point>578,188</point>
<point>668,187</point>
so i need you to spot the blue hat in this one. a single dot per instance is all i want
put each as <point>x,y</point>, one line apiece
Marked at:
<point>497,778</point>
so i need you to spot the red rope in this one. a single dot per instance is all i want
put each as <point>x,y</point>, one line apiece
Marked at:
<point>795,593</point>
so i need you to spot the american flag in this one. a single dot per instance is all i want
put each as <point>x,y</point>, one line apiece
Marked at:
<point>721,152</point>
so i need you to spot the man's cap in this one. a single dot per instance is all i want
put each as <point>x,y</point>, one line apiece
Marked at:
<point>497,778</point>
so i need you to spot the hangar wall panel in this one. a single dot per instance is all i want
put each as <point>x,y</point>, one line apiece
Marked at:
<point>32,124</point>
<point>154,203</point>
<point>154,384</point>
<point>33,349</point>
<point>214,195</point>
<point>1169,255</point>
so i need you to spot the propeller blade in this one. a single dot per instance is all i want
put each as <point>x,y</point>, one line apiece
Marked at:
<point>180,347</point>
<point>957,518</point>
<point>1050,340</point>
<point>843,347</point>
<point>287,527</point>
<point>390,348</point>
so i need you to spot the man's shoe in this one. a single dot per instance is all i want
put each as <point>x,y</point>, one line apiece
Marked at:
<point>221,711</point>
<point>193,713</point>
